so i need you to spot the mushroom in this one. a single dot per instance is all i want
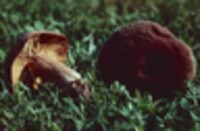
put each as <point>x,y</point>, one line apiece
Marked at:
<point>149,57</point>
<point>40,57</point>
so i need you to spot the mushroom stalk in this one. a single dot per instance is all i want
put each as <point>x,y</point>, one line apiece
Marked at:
<point>49,70</point>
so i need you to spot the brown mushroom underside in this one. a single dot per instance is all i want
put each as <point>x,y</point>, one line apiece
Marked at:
<point>149,57</point>
<point>44,43</point>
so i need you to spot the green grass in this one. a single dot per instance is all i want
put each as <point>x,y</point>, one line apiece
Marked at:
<point>88,25</point>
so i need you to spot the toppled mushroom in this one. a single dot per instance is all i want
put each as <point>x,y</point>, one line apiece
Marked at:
<point>149,57</point>
<point>39,56</point>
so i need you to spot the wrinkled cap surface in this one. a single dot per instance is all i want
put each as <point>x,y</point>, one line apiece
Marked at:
<point>147,56</point>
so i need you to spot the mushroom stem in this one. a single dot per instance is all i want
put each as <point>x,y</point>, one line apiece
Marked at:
<point>48,70</point>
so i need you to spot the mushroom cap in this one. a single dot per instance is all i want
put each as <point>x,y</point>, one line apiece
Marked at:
<point>46,43</point>
<point>147,56</point>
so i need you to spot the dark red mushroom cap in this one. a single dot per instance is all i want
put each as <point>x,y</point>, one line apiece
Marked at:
<point>147,56</point>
